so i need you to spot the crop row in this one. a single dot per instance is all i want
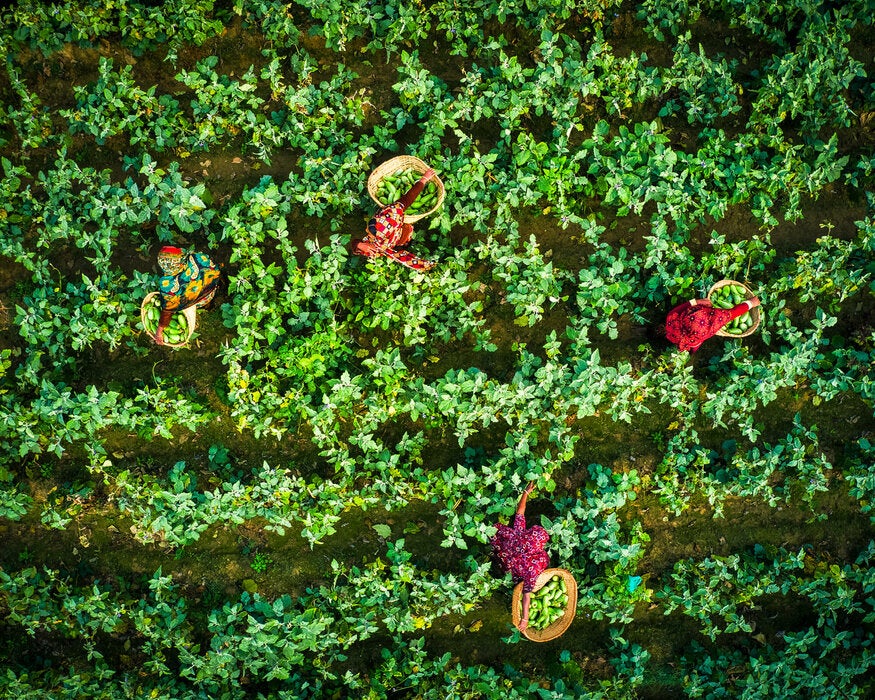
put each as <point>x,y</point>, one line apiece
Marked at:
<point>290,643</point>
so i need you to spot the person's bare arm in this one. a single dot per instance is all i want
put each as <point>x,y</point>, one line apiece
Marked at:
<point>524,618</point>
<point>521,506</point>
<point>163,320</point>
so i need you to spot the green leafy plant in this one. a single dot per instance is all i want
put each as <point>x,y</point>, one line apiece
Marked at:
<point>260,562</point>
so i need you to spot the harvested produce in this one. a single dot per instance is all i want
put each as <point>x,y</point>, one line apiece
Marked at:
<point>548,603</point>
<point>392,187</point>
<point>727,297</point>
<point>175,332</point>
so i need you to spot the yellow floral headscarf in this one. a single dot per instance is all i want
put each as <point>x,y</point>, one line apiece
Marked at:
<point>170,260</point>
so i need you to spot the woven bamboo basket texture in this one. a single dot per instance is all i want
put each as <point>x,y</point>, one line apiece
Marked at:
<point>557,628</point>
<point>190,316</point>
<point>404,163</point>
<point>754,313</point>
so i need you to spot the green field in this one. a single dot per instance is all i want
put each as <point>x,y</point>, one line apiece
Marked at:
<point>298,504</point>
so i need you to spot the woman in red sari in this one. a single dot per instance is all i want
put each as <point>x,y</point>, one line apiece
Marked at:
<point>520,550</point>
<point>690,324</point>
<point>386,233</point>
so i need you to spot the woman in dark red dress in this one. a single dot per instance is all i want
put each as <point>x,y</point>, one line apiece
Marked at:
<point>690,324</point>
<point>386,233</point>
<point>520,550</point>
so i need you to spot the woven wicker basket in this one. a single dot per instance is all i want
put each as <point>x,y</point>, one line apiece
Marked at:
<point>557,628</point>
<point>754,312</point>
<point>190,316</point>
<point>404,163</point>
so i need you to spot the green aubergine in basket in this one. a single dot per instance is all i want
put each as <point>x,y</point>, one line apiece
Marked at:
<point>728,294</point>
<point>177,332</point>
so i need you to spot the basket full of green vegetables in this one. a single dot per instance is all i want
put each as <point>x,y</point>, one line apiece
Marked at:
<point>388,182</point>
<point>552,607</point>
<point>726,294</point>
<point>181,327</point>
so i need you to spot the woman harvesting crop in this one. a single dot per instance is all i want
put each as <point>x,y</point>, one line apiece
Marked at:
<point>387,234</point>
<point>520,550</point>
<point>189,280</point>
<point>691,323</point>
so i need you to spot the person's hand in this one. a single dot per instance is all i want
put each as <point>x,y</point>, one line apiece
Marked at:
<point>428,175</point>
<point>755,302</point>
<point>159,336</point>
<point>524,622</point>
<point>530,487</point>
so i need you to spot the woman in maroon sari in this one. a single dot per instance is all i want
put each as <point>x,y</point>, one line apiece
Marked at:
<point>520,550</point>
<point>690,324</point>
<point>386,233</point>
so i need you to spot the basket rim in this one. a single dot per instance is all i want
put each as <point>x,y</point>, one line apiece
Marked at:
<point>557,628</point>
<point>404,161</point>
<point>754,312</point>
<point>190,316</point>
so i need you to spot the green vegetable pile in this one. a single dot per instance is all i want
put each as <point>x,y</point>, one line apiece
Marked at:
<point>392,187</point>
<point>548,603</point>
<point>727,297</point>
<point>176,331</point>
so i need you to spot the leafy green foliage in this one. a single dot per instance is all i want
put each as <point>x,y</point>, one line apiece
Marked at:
<point>836,657</point>
<point>507,363</point>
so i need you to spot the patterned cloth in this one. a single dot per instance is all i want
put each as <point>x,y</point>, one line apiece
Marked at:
<point>171,260</point>
<point>688,325</point>
<point>386,233</point>
<point>520,550</point>
<point>195,282</point>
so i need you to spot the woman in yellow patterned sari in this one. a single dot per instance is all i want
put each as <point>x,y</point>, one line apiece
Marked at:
<point>190,279</point>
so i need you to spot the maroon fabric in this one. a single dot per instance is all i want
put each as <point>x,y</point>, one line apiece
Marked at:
<point>688,326</point>
<point>520,550</point>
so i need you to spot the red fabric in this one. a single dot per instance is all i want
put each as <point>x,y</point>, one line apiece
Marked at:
<point>386,232</point>
<point>171,250</point>
<point>688,326</point>
<point>386,226</point>
<point>520,550</point>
